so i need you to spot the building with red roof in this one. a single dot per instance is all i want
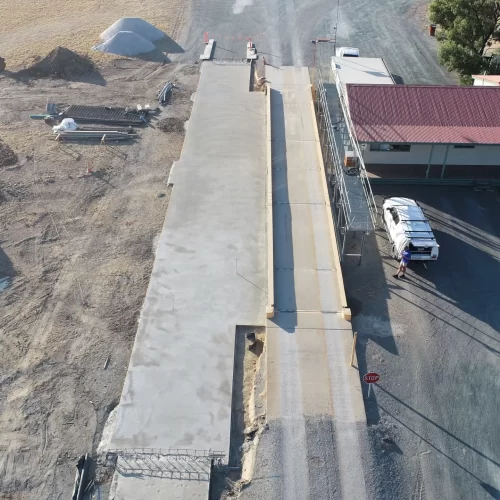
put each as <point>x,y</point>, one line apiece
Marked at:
<point>429,127</point>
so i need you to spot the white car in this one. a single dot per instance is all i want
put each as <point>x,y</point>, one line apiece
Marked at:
<point>347,52</point>
<point>406,225</point>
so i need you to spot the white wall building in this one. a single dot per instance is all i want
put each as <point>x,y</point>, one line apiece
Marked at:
<point>486,80</point>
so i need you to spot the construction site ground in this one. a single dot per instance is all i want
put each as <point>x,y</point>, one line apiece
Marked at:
<point>78,227</point>
<point>30,30</point>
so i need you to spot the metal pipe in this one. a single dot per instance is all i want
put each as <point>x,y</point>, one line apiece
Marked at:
<point>429,164</point>
<point>445,158</point>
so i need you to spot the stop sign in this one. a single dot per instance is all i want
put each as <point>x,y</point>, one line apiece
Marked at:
<point>371,378</point>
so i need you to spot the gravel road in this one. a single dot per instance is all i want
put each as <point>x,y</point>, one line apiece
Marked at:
<point>434,338</point>
<point>283,29</point>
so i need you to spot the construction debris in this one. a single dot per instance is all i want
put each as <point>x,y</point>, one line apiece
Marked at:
<point>105,114</point>
<point>171,124</point>
<point>102,135</point>
<point>84,480</point>
<point>164,93</point>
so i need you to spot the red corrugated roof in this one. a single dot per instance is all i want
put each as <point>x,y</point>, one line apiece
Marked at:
<point>425,114</point>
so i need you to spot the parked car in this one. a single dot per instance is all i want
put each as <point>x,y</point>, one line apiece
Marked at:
<point>406,225</point>
<point>347,52</point>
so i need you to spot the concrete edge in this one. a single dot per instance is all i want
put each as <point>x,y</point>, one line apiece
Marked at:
<point>269,209</point>
<point>208,52</point>
<point>171,174</point>
<point>346,312</point>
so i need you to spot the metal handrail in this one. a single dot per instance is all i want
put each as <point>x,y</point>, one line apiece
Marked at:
<point>337,163</point>
<point>365,182</point>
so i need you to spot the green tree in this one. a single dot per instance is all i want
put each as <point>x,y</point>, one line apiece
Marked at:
<point>466,28</point>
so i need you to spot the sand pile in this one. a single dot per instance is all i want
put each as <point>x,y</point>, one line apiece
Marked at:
<point>136,25</point>
<point>7,156</point>
<point>59,63</point>
<point>125,43</point>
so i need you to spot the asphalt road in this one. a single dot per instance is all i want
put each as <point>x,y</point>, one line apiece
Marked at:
<point>283,29</point>
<point>435,340</point>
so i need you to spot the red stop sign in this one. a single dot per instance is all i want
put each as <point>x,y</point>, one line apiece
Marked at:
<point>371,378</point>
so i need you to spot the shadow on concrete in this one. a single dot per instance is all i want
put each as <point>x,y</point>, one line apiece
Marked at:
<point>368,293</point>
<point>238,400</point>
<point>491,490</point>
<point>284,281</point>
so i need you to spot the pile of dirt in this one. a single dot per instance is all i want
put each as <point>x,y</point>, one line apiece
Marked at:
<point>7,156</point>
<point>125,43</point>
<point>59,63</point>
<point>136,25</point>
<point>171,125</point>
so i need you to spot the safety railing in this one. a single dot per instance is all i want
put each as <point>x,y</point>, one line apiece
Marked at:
<point>332,160</point>
<point>365,182</point>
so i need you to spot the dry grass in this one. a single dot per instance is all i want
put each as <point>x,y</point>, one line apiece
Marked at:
<point>32,29</point>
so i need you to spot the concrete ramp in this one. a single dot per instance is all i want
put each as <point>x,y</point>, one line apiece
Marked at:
<point>209,275</point>
<point>315,409</point>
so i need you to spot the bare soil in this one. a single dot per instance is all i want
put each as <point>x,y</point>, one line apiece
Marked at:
<point>76,252</point>
<point>30,30</point>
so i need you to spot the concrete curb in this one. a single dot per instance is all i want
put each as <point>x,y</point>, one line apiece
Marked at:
<point>346,312</point>
<point>208,52</point>
<point>269,209</point>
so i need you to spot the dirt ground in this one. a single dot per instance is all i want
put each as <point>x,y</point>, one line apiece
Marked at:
<point>32,29</point>
<point>76,252</point>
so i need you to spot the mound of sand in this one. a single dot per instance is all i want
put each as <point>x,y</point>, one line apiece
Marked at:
<point>7,156</point>
<point>136,25</point>
<point>59,63</point>
<point>125,43</point>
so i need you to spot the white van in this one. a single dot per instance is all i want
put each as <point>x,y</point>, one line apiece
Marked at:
<point>406,225</point>
<point>347,52</point>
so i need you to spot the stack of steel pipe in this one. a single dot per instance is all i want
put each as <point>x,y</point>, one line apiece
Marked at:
<point>102,135</point>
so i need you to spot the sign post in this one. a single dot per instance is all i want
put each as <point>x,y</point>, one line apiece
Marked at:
<point>371,378</point>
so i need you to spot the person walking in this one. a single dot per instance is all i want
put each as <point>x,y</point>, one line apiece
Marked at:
<point>405,259</point>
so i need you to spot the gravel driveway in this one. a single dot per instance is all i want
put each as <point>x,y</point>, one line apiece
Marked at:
<point>434,338</point>
<point>282,30</point>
